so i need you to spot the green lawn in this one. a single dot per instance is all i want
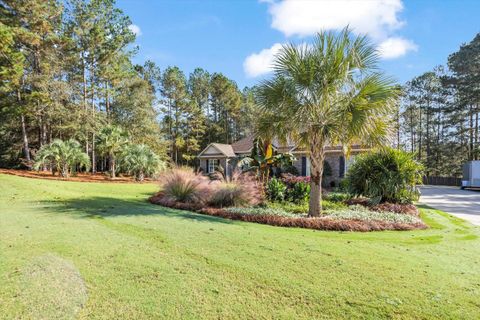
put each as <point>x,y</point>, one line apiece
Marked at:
<point>101,251</point>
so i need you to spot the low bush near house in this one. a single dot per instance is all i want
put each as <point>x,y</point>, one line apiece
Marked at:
<point>299,193</point>
<point>276,190</point>
<point>387,175</point>
<point>290,180</point>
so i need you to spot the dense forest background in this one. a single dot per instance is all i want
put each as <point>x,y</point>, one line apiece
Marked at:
<point>439,116</point>
<point>66,71</point>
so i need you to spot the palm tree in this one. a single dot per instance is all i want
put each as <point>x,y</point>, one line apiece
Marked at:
<point>62,156</point>
<point>327,92</point>
<point>141,161</point>
<point>111,141</point>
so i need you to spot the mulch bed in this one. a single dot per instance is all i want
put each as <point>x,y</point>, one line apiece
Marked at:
<point>81,177</point>
<point>321,223</point>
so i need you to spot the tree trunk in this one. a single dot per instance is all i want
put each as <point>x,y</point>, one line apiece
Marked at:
<point>112,166</point>
<point>317,156</point>
<point>26,149</point>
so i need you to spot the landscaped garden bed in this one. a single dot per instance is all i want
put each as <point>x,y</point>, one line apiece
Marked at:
<point>346,220</point>
<point>282,201</point>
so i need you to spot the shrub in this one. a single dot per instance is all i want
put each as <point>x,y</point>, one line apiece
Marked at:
<point>239,190</point>
<point>141,161</point>
<point>299,193</point>
<point>387,175</point>
<point>276,190</point>
<point>289,179</point>
<point>62,157</point>
<point>337,196</point>
<point>184,185</point>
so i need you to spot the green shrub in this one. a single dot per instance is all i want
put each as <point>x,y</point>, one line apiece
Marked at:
<point>299,193</point>
<point>140,161</point>
<point>337,196</point>
<point>387,175</point>
<point>276,190</point>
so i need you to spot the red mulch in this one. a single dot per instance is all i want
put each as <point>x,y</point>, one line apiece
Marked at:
<point>322,223</point>
<point>81,177</point>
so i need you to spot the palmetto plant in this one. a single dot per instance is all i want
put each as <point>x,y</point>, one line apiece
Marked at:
<point>62,156</point>
<point>387,175</point>
<point>111,141</point>
<point>327,92</point>
<point>141,161</point>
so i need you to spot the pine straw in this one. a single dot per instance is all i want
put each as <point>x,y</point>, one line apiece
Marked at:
<point>320,223</point>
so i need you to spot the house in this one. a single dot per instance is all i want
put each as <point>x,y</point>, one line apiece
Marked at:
<point>226,156</point>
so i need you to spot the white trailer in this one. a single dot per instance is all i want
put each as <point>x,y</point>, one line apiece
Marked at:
<point>471,174</point>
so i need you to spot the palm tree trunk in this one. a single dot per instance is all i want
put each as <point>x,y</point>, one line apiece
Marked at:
<point>317,156</point>
<point>112,166</point>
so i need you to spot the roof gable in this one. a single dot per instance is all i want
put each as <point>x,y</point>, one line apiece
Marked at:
<point>215,149</point>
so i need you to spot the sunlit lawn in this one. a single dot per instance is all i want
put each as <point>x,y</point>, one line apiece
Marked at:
<point>99,250</point>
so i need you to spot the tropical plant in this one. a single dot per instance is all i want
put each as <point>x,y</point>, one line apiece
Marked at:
<point>62,156</point>
<point>263,158</point>
<point>111,141</point>
<point>326,92</point>
<point>141,161</point>
<point>276,190</point>
<point>387,175</point>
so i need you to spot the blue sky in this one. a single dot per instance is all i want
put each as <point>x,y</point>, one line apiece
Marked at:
<point>239,37</point>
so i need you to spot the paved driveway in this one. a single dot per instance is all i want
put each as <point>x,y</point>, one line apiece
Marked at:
<point>464,204</point>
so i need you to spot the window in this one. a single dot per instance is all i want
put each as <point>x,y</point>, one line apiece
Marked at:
<point>212,165</point>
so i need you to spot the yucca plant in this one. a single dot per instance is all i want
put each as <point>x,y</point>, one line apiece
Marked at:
<point>62,156</point>
<point>386,175</point>
<point>140,161</point>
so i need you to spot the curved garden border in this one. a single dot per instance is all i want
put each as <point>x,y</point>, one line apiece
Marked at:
<point>321,223</point>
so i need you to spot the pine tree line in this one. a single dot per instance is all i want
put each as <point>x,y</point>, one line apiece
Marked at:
<point>66,72</point>
<point>439,115</point>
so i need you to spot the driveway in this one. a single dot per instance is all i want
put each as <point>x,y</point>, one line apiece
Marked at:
<point>464,204</point>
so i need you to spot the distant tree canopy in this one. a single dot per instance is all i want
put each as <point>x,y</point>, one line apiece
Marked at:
<point>66,72</point>
<point>439,116</point>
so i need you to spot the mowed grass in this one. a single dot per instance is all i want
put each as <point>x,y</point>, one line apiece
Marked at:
<point>98,250</point>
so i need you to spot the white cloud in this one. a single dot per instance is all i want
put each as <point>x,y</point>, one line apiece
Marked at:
<point>396,47</point>
<point>260,63</point>
<point>135,29</point>
<point>306,17</point>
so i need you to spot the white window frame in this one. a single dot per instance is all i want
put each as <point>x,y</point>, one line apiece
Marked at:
<point>212,165</point>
